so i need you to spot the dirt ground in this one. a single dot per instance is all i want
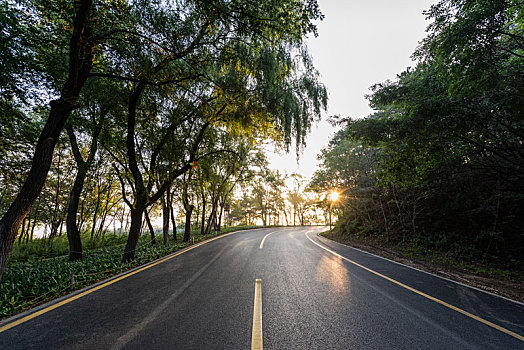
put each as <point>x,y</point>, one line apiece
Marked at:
<point>507,287</point>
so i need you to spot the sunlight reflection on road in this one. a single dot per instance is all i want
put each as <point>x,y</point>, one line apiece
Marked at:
<point>331,269</point>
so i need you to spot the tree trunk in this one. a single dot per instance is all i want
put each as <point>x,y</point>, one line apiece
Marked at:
<point>219,222</point>
<point>187,230</point>
<point>95,214</point>
<point>106,209</point>
<point>54,229</point>
<point>33,228</point>
<point>197,212</point>
<point>29,227</point>
<point>203,227</point>
<point>165,217</point>
<point>122,219</point>
<point>55,221</point>
<point>21,235</point>
<point>134,234</point>
<point>82,216</point>
<point>209,223</point>
<point>211,217</point>
<point>140,191</point>
<point>173,220</point>
<point>73,229</point>
<point>128,216</point>
<point>100,231</point>
<point>151,229</point>
<point>203,224</point>
<point>73,233</point>
<point>80,64</point>
<point>61,226</point>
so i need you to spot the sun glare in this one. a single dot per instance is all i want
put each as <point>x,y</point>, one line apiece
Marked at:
<point>334,196</point>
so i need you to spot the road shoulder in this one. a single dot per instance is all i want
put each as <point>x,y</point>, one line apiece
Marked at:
<point>507,288</point>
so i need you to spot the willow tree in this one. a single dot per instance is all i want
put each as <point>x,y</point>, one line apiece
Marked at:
<point>230,59</point>
<point>233,70</point>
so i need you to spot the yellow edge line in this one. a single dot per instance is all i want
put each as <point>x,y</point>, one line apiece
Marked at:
<point>94,289</point>
<point>262,243</point>
<point>477,318</point>
<point>256,334</point>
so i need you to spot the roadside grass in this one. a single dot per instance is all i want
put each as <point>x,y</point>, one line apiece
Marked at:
<point>452,257</point>
<point>461,262</point>
<point>39,249</point>
<point>37,273</point>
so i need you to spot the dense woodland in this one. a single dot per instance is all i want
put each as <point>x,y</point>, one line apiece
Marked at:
<point>441,161</point>
<point>114,112</point>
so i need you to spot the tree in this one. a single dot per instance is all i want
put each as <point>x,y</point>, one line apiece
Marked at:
<point>440,159</point>
<point>231,66</point>
<point>236,100</point>
<point>83,165</point>
<point>81,53</point>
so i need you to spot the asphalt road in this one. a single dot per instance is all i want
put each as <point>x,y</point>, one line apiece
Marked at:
<point>311,298</point>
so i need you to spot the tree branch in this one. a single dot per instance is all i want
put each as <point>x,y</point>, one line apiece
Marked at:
<point>74,144</point>
<point>511,52</point>
<point>122,185</point>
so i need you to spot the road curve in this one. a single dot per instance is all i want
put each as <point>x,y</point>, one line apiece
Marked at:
<point>314,294</point>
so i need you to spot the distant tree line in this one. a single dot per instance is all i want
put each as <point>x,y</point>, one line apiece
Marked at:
<point>276,199</point>
<point>441,160</point>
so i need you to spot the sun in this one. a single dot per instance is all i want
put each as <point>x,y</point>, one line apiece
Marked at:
<point>334,195</point>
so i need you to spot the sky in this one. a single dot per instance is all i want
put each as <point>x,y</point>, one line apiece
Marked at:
<point>360,43</point>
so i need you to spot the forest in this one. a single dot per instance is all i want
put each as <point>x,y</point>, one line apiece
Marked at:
<point>439,164</point>
<point>114,112</point>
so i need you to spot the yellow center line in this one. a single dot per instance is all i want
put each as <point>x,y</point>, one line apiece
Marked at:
<point>470,315</point>
<point>94,289</point>
<point>256,334</point>
<point>263,239</point>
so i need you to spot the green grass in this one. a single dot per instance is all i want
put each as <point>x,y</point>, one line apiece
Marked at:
<point>453,256</point>
<point>39,249</point>
<point>37,272</point>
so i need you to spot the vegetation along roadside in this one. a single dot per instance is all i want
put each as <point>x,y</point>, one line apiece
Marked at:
<point>448,263</point>
<point>28,282</point>
<point>435,172</point>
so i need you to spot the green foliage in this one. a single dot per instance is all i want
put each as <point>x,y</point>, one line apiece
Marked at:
<point>38,249</point>
<point>37,273</point>
<point>440,160</point>
<point>168,83</point>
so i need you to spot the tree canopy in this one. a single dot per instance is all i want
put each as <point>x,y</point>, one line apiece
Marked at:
<point>145,90</point>
<point>441,158</point>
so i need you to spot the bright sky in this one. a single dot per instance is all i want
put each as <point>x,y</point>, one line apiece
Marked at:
<point>360,43</point>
